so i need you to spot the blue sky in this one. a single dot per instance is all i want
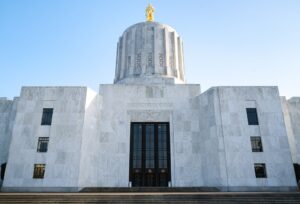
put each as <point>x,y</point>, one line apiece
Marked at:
<point>73,42</point>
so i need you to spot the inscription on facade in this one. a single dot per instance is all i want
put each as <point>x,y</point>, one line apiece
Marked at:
<point>149,115</point>
<point>150,105</point>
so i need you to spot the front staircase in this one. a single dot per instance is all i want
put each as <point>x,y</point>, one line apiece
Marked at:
<point>153,197</point>
<point>148,189</point>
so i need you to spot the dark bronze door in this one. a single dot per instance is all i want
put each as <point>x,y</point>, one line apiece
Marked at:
<point>150,154</point>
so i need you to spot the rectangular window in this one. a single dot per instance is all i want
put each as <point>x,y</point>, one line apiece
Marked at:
<point>252,116</point>
<point>43,144</point>
<point>260,170</point>
<point>256,144</point>
<point>39,171</point>
<point>47,116</point>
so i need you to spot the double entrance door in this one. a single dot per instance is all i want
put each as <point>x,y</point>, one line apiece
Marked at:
<point>150,154</point>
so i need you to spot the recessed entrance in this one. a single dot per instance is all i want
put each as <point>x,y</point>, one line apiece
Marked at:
<point>150,154</point>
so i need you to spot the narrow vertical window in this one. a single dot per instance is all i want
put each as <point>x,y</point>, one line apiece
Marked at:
<point>256,144</point>
<point>3,167</point>
<point>39,171</point>
<point>260,170</point>
<point>43,144</point>
<point>47,116</point>
<point>252,116</point>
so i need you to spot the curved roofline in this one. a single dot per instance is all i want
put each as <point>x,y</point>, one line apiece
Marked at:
<point>147,22</point>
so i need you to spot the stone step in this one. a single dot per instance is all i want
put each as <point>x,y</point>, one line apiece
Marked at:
<point>154,197</point>
<point>151,189</point>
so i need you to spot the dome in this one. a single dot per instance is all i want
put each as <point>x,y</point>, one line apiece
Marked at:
<point>149,53</point>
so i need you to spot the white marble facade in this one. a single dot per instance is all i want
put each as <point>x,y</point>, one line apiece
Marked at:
<point>89,138</point>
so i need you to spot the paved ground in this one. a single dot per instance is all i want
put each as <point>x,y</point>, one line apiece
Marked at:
<point>154,197</point>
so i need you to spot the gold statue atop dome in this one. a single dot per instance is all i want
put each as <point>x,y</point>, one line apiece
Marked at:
<point>150,12</point>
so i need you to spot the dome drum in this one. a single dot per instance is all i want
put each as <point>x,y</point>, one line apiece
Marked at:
<point>149,50</point>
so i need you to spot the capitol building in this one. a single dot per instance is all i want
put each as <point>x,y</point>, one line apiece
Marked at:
<point>150,128</point>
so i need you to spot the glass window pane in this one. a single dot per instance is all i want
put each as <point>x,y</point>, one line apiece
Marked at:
<point>39,171</point>
<point>256,144</point>
<point>149,136</point>
<point>260,170</point>
<point>47,116</point>
<point>252,116</point>
<point>43,144</point>
<point>137,146</point>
